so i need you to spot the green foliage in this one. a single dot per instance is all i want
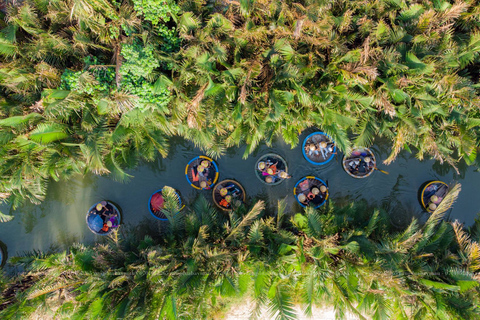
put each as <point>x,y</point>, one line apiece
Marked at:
<point>193,265</point>
<point>170,40</point>
<point>138,67</point>
<point>157,11</point>
<point>80,81</point>
<point>140,61</point>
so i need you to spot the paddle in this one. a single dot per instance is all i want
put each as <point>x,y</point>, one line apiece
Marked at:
<point>381,170</point>
<point>375,167</point>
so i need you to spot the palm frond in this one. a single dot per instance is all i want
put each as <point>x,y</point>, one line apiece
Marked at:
<point>247,220</point>
<point>449,199</point>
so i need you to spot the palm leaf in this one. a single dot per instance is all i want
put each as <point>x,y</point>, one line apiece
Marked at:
<point>281,305</point>
<point>18,122</point>
<point>282,206</point>
<point>48,132</point>
<point>5,217</point>
<point>247,220</point>
<point>449,199</point>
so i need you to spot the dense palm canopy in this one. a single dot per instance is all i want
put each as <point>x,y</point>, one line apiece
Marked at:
<point>399,69</point>
<point>350,258</point>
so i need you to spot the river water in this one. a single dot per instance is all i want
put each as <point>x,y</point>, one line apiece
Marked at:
<point>61,217</point>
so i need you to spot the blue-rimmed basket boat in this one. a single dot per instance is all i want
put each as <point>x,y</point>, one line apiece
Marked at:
<point>305,186</point>
<point>156,210</point>
<point>433,193</point>
<point>195,172</point>
<point>314,153</point>
<point>98,220</point>
<point>234,197</point>
<point>3,254</point>
<point>271,170</point>
<point>355,164</point>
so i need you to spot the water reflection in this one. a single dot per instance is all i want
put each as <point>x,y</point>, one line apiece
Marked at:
<point>61,217</point>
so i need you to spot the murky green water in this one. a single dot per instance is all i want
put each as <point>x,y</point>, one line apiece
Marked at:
<point>61,216</point>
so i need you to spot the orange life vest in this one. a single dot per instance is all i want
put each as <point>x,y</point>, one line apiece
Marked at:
<point>224,203</point>
<point>194,176</point>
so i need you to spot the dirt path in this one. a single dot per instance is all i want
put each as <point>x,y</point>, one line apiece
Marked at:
<point>243,311</point>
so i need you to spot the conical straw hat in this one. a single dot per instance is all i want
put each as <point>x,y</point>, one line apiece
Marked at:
<point>268,179</point>
<point>315,191</point>
<point>302,197</point>
<point>323,189</point>
<point>323,144</point>
<point>261,165</point>
<point>99,206</point>
<point>203,184</point>
<point>205,163</point>
<point>283,175</point>
<point>432,206</point>
<point>223,192</point>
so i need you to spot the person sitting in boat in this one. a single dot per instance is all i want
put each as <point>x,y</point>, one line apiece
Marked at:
<point>202,172</point>
<point>436,199</point>
<point>313,193</point>
<point>323,149</point>
<point>205,164</point>
<point>311,149</point>
<point>283,175</point>
<point>230,189</point>
<point>368,161</point>
<point>303,199</point>
<point>368,164</point>
<point>205,184</point>
<point>330,148</point>
<point>353,165</point>
<point>272,169</point>
<point>226,201</point>
<point>262,166</point>
<point>323,190</point>
<point>107,225</point>
<point>434,202</point>
<point>269,179</point>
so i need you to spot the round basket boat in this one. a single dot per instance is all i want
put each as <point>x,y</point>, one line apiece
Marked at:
<point>201,172</point>
<point>432,194</point>
<point>271,169</point>
<point>103,218</point>
<point>318,148</point>
<point>228,194</point>
<point>360,163</point>
<point>311,191</point>
<point>156,203</point>
<point>3,256</point>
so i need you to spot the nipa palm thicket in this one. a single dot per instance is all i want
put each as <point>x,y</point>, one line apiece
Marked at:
<point>348,258</point>
<point>79,92</point>
<point>403,70</point>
